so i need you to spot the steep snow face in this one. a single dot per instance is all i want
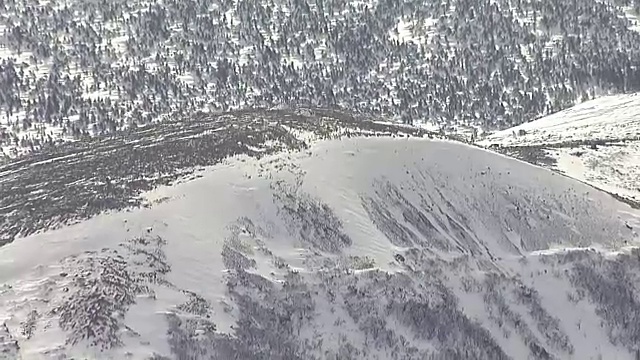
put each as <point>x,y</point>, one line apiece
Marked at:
<point>596,142</point>
<point>352,248</point>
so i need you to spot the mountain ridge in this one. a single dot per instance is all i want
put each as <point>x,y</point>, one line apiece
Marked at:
<point>597,142</point>
<point>380,247</point>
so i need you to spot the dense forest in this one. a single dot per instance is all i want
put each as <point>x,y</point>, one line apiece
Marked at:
<point>80,68</point>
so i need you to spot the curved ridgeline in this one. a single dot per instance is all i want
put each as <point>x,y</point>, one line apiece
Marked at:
<point>77,180</point>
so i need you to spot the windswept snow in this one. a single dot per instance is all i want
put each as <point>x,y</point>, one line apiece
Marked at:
<point>597,142</point>
<point>608,118</point>
<point>377,247</point>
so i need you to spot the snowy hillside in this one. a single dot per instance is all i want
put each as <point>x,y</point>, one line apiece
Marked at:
<point>597,142</point>
<point>309,235</point>
<point>75,68</point>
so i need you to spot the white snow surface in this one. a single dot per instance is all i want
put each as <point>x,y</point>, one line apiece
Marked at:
<point>607,118</point>
<point>507,211</point>
<point>568,135</point>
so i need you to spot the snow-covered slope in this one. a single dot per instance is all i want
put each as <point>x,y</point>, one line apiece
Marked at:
<point>597,142</point>
<point>76,68</point>
<point>351,247</point>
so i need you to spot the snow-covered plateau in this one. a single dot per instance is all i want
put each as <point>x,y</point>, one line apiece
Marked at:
<point>597,142</point>
<point>309,235</point>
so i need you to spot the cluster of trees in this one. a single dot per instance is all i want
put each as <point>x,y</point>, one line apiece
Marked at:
<point>89,68</point>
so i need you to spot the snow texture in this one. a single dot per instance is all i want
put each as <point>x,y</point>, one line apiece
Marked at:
<point>597,142</point>
<point>362,244</point>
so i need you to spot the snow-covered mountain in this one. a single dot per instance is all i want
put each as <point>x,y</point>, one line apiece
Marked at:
<point>309,235</point>
<point>597,142</point>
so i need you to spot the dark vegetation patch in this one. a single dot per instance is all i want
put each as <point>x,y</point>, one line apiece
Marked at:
<point>429,313</point>
<point>310,220</point>
<point>503,315</point>
<point>547,324</point>
<point>9,346</point>
<point>75,181</point>
<point>425,224</point>
<point>536,155</point>
<point>390,312</point>
<point>104,285</point>
<point>268,327</point>
<point>633,203</point>
<point>234,259</point>
<point>385,221</point>
<point>611,284</point>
